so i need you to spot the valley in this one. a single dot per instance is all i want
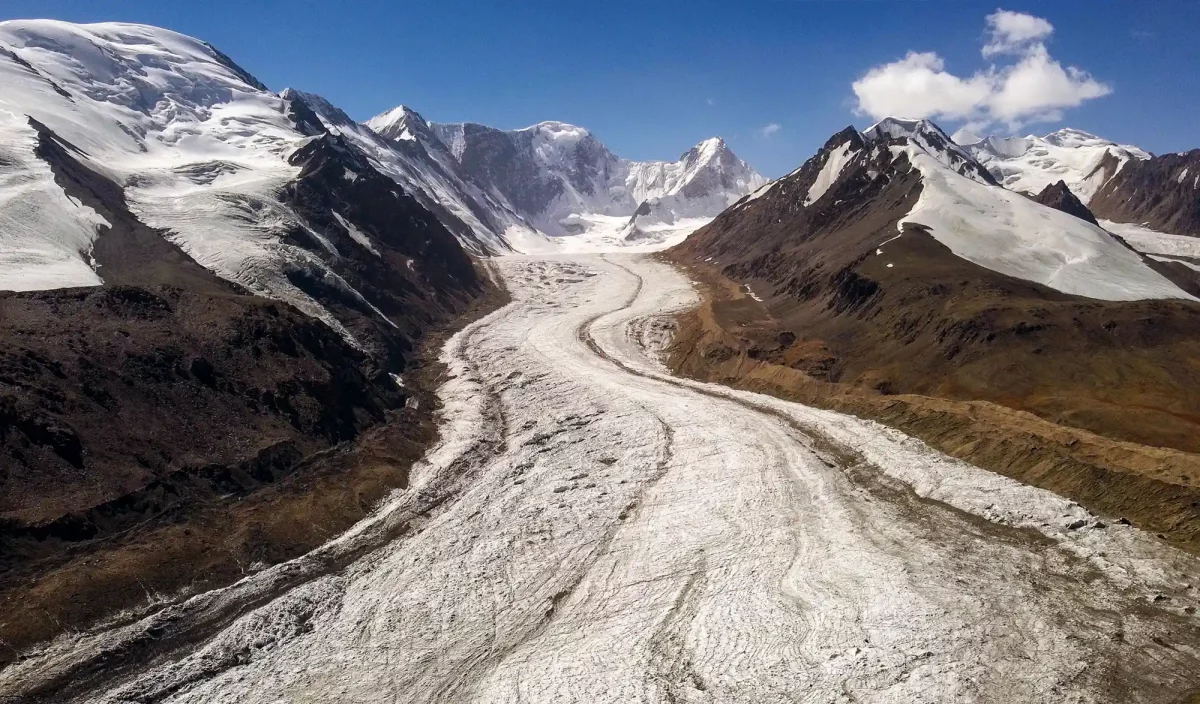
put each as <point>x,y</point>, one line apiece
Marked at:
<point>591,527</point>
<point>297,406</point>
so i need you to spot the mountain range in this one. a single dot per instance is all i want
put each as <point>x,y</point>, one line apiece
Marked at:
<point>896,260</point>
<point>257,285</point>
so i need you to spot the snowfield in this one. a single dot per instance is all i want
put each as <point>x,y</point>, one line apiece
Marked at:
<point>1006,232</point>
<point>1029,164</point>
<point>592,529</point>
<point>45,236</point>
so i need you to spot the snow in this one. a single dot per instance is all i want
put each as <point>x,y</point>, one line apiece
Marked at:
<point>608,233</point>
<point>45,236</point>
<point>929,138</point>
<point>596,185</point>
<point>965,137</point>
<point>400,144</point>
<point>1009,233</point>
<point>1029,164</point>
<point>759,193</point>
<point>201,150</point>
<point>1170,260</point>
<point>830,170</point>
<point>356,234</point>
<point>589,528</point>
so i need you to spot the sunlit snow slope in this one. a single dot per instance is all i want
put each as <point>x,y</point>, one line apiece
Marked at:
<point>1006,232</point>
<point>200,145</point>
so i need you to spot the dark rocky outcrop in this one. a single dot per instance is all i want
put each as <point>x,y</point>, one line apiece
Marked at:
<point>1162,193</point>
<point>1060,197</point>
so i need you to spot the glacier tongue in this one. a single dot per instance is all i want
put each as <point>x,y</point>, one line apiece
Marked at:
<point>591,529</point>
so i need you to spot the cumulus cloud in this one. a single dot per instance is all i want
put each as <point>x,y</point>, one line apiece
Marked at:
<point>1031,86</point>
<point>1013,32</point>
<point>770,129</point>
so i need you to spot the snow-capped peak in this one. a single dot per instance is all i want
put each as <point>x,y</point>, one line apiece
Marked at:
<point>711,149</point>
<point>1028,164</point>
<point>931,139</point>
<point>559,136</point>
<point>896,127</point>
<point>1070,137</point>
<point>331,114</point>
<point>964,137</point>
<point>401,122</point>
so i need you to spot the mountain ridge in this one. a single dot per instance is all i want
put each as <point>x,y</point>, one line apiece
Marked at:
<point>567,182</point>
<point>890,269</point>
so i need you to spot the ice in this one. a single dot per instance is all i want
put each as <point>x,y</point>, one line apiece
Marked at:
<point>201,148</point>
<point>590,528</point>
<point>356,234</point>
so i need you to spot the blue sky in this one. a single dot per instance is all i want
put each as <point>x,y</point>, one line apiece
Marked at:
<point>653,78</point>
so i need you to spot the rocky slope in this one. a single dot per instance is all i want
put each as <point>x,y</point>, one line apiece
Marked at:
<point>206,296</point>
<point>892,263</point>
<point>1162,193</point>
<point>402,145</point>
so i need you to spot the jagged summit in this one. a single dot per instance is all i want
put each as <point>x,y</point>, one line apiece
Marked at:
<point>872,176</point>
<point>1059,196</point>
<point>1071,137</point>
<point>896,127</point>
<point>932,140</point>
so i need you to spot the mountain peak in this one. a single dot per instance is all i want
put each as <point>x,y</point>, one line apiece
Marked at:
<point>1059,196</point>
<point>401,122</point>
<point>849,134</point>
<point>1083,161</point>
<point>709,149</point>
<point>318,104</point>
<point>964,137</point>
<point>897,127</point>
<point>1071,137</point>
<point>928,137</point>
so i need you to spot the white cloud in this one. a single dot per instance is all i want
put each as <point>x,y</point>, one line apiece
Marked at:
<point>711,102</point>
<point>770,129</point>
<point>919,86</point>
<point>1013,32</point>
<point>1038,87</point>
<point>1033,86</point>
